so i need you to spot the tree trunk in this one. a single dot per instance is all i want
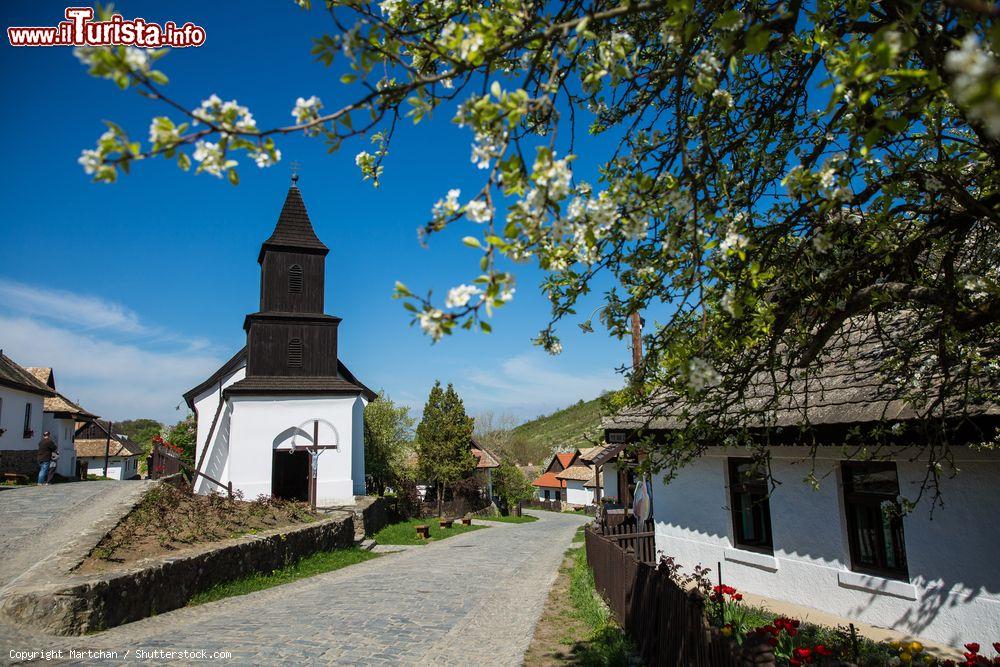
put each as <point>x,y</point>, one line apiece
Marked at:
<point>440,498</point>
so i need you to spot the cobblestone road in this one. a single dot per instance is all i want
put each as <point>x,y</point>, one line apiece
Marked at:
<point>473,599</point>
<point>36,521</point>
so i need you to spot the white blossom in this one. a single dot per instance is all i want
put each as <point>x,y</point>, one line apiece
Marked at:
<point>728,302</point>
<point>478,211</point>
<point>265,158</point>
<point>306,111</point>
<point>392,8</point>
<point>507,294</point>
<point>430,322</point>
<point>90,160</point>
<point>975,68</point>
<point>460,296</point>
<point>554,348</point>
<point>137,60</point>
<point>701,374</point>
<point>733,240</point>
<point>722,97</point>
<point>448,206</point>
<point>163,131</point>
<point>211,159</point>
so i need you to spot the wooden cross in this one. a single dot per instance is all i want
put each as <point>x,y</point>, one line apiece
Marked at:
<point>315,449</point>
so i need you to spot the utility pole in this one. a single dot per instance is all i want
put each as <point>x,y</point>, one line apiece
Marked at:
<point>636,348</point>
<point>107,449</point>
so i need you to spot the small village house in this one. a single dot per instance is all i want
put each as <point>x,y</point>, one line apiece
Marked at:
<point>485,463</point>
<point>60,418</point>
<point>97,442</point>
<point>288,389</point>
<point>548,484</point>
<point>844,548</point>
<point>22,400</point>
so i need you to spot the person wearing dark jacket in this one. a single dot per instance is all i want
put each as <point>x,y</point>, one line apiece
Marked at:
<point>46,448</point>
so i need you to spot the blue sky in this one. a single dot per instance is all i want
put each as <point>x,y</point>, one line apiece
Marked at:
<point>136,291</point>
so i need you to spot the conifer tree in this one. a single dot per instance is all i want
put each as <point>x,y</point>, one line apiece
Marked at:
<point>443,441</point>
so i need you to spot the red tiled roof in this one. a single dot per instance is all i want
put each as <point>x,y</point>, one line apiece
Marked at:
<point>549,479</point>
<point>565,458</point>
<point>484,459</point>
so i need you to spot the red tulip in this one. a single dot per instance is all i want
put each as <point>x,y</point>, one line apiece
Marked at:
<point>738,597</point>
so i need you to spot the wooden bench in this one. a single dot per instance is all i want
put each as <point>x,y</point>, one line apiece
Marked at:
<point>466,520</point>
<point>423,532</point>
<point>14,478</point>
<point>446,523</point>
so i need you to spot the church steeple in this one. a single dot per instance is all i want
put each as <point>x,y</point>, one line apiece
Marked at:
<point>291,336</point>
<point>294,230</point>
<point>292,261</point>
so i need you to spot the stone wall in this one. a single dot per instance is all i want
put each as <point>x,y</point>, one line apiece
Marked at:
<point>20,461</point>
<point>77,604</point>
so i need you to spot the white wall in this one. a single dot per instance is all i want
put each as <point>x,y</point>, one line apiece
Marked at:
<point>552,493</point>
<point>62,431</point>
<point>216,463</point>
<point>118,467</point>
<point>577,494</point>
<point>12,419</point>
<point>953,595</point>
<point>260,425</point>
<point>610,478</point>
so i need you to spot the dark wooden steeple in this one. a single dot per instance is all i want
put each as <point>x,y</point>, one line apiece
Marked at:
<point>291,336</point>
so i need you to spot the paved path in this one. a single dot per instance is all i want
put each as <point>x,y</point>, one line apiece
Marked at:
<point>37,521</point>
<point>472,599</point>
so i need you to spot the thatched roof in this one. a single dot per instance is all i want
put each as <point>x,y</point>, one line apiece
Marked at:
<point>577,473</point>
<point>590,453</point>
<point>58,404</point>
<point>847,384</point>
<point>15,376</point>
<point>484,459</point>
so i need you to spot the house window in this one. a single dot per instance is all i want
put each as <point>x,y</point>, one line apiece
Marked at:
<point>874,519</point>
<point>546,494</point>
<point>295,353</point>
<point>558,495</point>
<point>27,421</point>
<point>295,279</point>
<point>751,508</point>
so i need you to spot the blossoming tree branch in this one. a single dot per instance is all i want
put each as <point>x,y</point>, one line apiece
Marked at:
<point>779,171</point>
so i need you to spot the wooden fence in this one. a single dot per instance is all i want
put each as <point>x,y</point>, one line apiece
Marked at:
<point>551,505</point>
<point>629,535</point>
<point>666,623</point>
<point>163,462</point>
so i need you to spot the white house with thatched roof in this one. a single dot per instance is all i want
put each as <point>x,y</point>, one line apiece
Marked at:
<point>845,547</point>
<point>60,416</point>
<point>106,452</point>
<point>22,398</point>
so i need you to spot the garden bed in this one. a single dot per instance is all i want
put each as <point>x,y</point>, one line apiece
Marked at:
<point>169,520</point>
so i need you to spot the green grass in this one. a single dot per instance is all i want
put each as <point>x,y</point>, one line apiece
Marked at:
<point>575,426</point>
<point>405,532</point>
<point>524,518</point>
<point>318,563</point>
<point>607,643</point>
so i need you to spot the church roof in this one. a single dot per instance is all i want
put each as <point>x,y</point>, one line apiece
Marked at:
<point>294,384</point>
<point>294,231</point>
<point>348,381</point>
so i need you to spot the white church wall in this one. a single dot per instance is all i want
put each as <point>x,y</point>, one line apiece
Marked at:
<point>358,449</point>
<point>216,462</point>
<point>259,425</point>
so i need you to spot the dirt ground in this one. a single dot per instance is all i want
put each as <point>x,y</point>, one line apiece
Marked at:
<point>559,631</point>
<point>169,520</point>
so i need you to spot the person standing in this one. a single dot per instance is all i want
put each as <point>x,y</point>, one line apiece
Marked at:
<point>46,448</point>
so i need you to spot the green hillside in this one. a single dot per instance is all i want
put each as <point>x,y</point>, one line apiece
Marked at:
<point>564,429</point>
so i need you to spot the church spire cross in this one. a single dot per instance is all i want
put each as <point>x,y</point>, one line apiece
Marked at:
<point>296,165</point>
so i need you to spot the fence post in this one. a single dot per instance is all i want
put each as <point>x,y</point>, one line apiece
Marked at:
<point>230,488</point>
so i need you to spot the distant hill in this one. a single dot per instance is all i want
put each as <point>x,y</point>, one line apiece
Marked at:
<point>564,429</point>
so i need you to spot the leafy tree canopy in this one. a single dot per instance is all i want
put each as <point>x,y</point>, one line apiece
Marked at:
<point>388,431</point>
<point>184,434</point>
<point>510,485</point>
<point>141,431</point>
<point>775,170</point>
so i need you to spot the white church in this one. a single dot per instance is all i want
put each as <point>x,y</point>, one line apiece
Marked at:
<point>287,390</point>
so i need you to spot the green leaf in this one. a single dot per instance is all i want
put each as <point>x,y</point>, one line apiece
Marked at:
<point>472,242</point>
<point>348,78</point>
<point>234,178</point>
